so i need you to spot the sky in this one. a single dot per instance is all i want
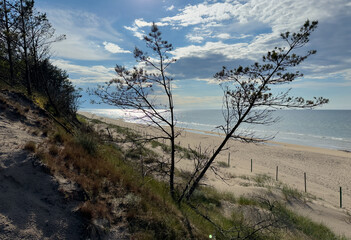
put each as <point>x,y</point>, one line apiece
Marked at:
<point>206,35</point>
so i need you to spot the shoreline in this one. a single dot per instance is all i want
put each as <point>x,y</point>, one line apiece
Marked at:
<point>331,151</point>
<point>294,141</point>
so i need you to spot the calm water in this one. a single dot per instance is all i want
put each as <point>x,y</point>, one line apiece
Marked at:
<point>319,128</point>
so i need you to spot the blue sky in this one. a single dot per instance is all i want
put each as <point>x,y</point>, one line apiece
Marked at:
<point>206,35</point>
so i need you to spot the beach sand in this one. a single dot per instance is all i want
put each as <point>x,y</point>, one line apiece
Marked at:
<point>326,171</point>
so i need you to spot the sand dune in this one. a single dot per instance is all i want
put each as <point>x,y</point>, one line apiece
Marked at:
<point>31,205</point>
<point>326,170</point>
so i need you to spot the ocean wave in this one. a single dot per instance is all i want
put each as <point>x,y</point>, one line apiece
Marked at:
<point>303,135</point>
<point>187,124</point>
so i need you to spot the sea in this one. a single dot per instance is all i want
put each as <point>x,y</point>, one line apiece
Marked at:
<point>318,128</point>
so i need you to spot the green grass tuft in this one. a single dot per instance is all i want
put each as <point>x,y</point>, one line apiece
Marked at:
<point>88,141</point>
<point>223,164</point>
<point>290,193</point>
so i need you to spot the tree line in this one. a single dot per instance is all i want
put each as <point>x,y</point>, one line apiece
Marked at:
<point>25,39</point>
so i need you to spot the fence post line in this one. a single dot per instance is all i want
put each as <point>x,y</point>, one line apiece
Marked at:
<point>304,174</point>
<point>229,159</point>
<point>251,164</point>
<point>340,197</point>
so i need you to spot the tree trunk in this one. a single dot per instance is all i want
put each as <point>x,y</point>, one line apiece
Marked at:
<point>9,45</point>
<point>25,49</point>
<point>219,149</point>
<point>171,175</point>
<point>198,179</point>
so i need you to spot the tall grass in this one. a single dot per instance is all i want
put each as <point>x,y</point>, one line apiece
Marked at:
<point>88,141</point>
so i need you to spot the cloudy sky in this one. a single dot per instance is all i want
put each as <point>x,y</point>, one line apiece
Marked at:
<point>206,35</point>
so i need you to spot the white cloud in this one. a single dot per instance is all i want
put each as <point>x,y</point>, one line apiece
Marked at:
<point>226,36</point>
<point>279,12</point>
<point>141,23</point>
<point>85,74</point>
<point>136,32</point>
<point>231,51</point>
<point>114,48</point>
<point>223,36</point>
<point>84,32</point>
<point>170,8</point>
<point>201,13</point>
<point>192,38</point>
<point>279,15</point>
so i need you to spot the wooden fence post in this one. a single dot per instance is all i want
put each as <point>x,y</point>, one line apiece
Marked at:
<point>276,174</point>
<point>340,197</point>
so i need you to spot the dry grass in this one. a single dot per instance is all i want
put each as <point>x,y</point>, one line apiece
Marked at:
<point>105,176</point>
<point>53,150</point>
<point>30,146</point>
<point>95,210</point>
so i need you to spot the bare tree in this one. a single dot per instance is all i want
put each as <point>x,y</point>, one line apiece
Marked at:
<point>147,89</point>
<point>41,35</point>
<point>247,91</point>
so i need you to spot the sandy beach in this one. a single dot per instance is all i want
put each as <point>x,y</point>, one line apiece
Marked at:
<point>326,171</point>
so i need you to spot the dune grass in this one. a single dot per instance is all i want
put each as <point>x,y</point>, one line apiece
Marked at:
<point>106,172</point>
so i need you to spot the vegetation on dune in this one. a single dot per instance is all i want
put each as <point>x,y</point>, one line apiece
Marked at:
<point>115,173</point>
